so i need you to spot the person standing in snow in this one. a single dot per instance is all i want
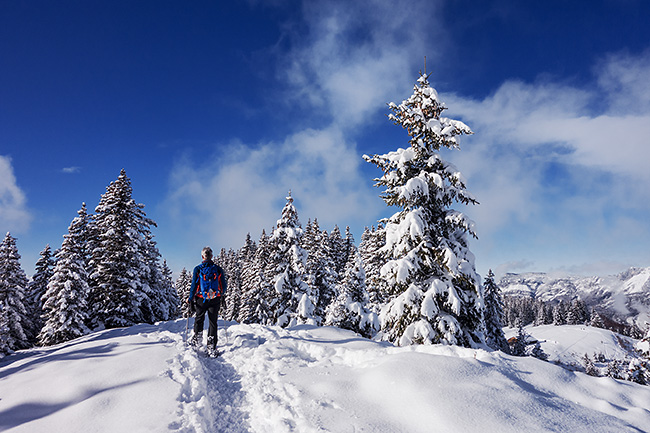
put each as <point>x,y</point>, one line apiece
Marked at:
<point>206,292</point>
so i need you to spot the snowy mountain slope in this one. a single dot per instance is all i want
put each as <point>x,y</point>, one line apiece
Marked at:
<point>303,379</point>
<point>623,296</point>
<point>568,344</point>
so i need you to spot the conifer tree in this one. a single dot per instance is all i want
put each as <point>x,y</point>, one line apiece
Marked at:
<point>577,313</point>
<point>590,367</point>
<point>338,251</point>
<point>13,283</point>
<point>537,352</point>
<point>66,299</point>
<point>430,270</point>
<point>36,289</point>
<point>119,262</point>
<point>349,247</point>
<point>4,332</point>
<point>559,314</point>
<point>321,275</point>
<point>244,260</point>
<point>228,261</point>
<point>292,300</point>
<point>349,309</point>
<point>183,284</point>
<point>519,343</point>
<point>256,286</point>
<point>169,293</point>
<point>370,248</point>
<point>494,336</point>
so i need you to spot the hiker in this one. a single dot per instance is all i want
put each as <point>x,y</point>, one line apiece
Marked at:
<point>206,292</point>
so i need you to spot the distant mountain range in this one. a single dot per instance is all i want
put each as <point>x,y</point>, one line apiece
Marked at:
<point>624,297</point>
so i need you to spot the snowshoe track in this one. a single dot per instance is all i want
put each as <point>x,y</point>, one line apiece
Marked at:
<point>211,396</point>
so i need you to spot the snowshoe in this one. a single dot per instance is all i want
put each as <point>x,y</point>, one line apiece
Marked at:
<point>196,341</point>
<point>213,352</point>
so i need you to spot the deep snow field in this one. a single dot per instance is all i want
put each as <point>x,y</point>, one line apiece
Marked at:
<point>310,379</point>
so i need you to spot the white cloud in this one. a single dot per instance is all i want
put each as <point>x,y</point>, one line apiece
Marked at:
<point>71,170</point>
<point>351,61</point>
<point>244,189</point>
<point>550,162</point>
<point>14,215</point>
<point>357,56</point>
<point>557,159</point>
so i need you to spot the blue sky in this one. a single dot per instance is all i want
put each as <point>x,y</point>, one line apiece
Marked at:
<point>217,109</point>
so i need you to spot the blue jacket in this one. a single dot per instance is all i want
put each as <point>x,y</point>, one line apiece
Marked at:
<point>196,284</point>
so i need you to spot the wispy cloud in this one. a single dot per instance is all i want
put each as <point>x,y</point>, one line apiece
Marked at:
<point>14,215</point>
<point>353,59</point>
<point>71,170</point>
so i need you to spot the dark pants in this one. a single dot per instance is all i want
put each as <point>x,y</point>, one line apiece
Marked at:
<point>210,306</point>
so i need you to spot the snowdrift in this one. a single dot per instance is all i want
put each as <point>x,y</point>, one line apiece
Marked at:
<point>302,379</point>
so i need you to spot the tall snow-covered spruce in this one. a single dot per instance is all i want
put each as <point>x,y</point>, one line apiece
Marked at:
<point>293,301</point>
<point>36,289</point>
<point>493,313</point>
<point>434,289</point>
<point>65,303</point>
<point>14,317</point>
<point>121,259</point>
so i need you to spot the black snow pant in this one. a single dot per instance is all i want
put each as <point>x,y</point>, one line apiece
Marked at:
<point>210,306</point>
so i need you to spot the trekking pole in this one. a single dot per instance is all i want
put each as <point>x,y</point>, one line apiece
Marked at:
<point>187,325</point>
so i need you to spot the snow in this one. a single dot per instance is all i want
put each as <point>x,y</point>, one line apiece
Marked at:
<point>618,296</point>
<point>569,343</point>
<point>307,379</point>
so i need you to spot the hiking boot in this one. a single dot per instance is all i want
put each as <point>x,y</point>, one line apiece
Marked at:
<point>212,352</point>
<point>197,340</point>
<point>212,346</point>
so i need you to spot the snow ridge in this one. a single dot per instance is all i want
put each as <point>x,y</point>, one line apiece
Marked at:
<point>309,379</point>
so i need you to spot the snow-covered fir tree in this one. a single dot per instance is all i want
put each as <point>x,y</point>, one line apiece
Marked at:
<point>292,299</point>
<point>66,299</point>
<point>168,298</point>
<point>589,366</point>
<point>430,269</point>
<point>543,313</point>
<point>13,283</point>
<point>370,248</point>
<point>256,287</point>
<point>245,259</point>
<point>183,284</point>
<point>559,314</point>
<point>349,247</point>
<point>338,251</point>
<point>349,310</point>
<point>37,287</point>
<point>151,302</point>
<point>577,313</point>
<point>120,264</point>
<point>537,351</point>
<point>229,262</point>
<point>320,268</point>
<point>4,332</point>
<point>518,344</point>
<point>494,336</point>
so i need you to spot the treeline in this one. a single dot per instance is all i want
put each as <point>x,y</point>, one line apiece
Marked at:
<point>108,273</point>
<point>528,311</point>
<point>302,276</point>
